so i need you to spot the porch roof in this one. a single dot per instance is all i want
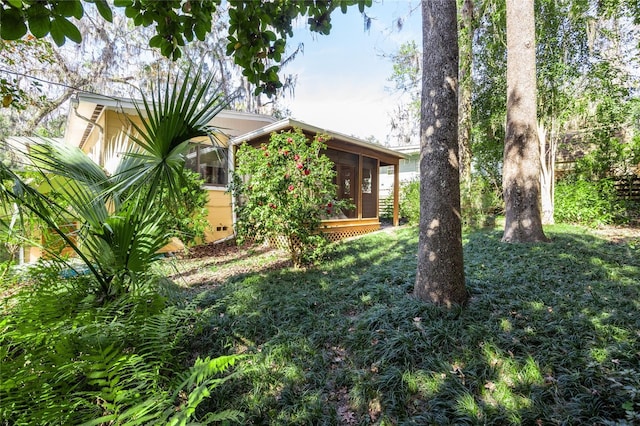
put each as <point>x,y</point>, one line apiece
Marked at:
<point>338,140</point>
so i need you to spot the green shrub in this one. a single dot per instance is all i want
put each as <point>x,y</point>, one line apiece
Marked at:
<point>480,202</point>
<point>410,201</point>
<point>284,189</point>
<point>587,203</point>
<point>187,220</point>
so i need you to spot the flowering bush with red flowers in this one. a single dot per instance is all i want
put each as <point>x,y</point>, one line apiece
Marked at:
<point>283,190</point>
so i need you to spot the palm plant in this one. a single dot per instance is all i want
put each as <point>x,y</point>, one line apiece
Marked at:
<point>117,217</point>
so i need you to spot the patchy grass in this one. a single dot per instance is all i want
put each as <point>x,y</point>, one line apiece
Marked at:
<point>551,335</point>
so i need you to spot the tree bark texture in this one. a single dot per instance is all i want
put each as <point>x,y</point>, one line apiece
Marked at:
<point>521,166</point>
<point>440,272</point>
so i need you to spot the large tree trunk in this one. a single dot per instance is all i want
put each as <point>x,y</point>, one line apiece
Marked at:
<point>521,167</point>
<point>440,273</point>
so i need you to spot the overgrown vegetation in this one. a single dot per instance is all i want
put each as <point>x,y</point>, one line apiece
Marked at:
<point>587,195</point>
<point>549,337</point>
<point>188,220</point>
<point>70,358</point>
<point>480,202</point>
<point>587,202</point>
<point>410,201</point>
<point>284,189</point>
<point>98,340</point>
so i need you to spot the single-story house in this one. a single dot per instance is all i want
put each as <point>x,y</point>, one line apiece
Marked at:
<point>409,169</point>
<point>95,123</point>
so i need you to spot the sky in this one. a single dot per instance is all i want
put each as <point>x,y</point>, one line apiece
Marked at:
<point>342,77</point>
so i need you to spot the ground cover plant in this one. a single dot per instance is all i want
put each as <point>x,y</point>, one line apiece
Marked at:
<point>550,336</point>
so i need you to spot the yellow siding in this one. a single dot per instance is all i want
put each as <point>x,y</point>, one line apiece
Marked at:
<point>220,215</point>
<point>94,136</point>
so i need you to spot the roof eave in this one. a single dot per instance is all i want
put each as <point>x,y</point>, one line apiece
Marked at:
<point>291,123</point>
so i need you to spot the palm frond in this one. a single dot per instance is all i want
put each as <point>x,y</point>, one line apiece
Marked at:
<point>170,119</point>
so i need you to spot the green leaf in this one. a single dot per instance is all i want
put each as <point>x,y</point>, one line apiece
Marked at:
<point>166,48</point>
<point>57,34</point>
<point>123,3</point>
<point>69,30</point>
<point>156,41</point>
<point>104,10</point>
<point>70,8</point>
<point>147,19</point>
<point>12,26</point>
<point>131,12</point>
<point>16,3</point>
<point>39,25</point>
<point>201,31</point>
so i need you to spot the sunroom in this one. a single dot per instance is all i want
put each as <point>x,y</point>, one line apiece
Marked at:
<point>357,165</point>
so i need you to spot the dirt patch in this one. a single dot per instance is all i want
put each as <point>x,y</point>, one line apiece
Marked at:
<point>210,265</point>
<point>618,234</point>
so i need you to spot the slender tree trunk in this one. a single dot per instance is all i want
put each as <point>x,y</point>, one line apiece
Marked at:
<point>521,166</point>
<point>547,173</point>
<point>440,272</point>
<point>464,95</point>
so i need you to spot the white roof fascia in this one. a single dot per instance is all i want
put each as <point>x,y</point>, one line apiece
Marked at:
<point>289,122</point>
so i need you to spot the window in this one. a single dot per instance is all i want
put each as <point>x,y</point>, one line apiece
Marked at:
<point>211,162</point>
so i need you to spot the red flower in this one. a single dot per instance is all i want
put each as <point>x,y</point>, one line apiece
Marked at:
<point>291,187</point>
<point>320,139</point>
<point>329,204</point>
<point>328,211</point>
<point>266,153</point>
<point>299,165</point>
<point>306,172</point>
<point>296,157</point>
<point>289,140</point>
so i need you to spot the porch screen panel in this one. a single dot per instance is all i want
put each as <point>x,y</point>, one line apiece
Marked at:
<point>346,180</point>
<point>369,185</point>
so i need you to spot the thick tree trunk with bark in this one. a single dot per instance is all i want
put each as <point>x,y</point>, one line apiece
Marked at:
<point>440,272</point>
<point>521,169</point>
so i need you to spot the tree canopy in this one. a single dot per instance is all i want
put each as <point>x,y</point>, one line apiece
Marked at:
<point>257,32</point>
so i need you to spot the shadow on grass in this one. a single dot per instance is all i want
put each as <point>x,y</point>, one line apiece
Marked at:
<point>550,336</point>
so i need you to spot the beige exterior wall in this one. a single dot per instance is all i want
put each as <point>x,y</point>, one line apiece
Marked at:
<point>220,215</point>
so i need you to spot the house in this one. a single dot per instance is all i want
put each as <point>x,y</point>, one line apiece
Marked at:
<point>96,122</point>
<point>409,169</point>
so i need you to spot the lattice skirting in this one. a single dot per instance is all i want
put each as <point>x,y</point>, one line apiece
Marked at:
<point>332,234</point>
<point>336,234</point>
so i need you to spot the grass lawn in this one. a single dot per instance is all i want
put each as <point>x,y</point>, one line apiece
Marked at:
<point>550,336</point>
